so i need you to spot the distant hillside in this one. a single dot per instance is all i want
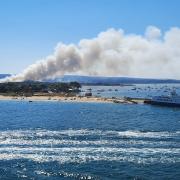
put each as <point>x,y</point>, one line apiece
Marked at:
<point>96,80</point>
<point>4,75</point>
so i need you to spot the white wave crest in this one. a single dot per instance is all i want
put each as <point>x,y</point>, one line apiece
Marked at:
<point>84,145</point>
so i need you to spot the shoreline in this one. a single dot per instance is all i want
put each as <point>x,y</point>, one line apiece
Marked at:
<point>70,99</point>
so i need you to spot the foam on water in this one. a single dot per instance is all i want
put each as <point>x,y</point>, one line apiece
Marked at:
<point>85,145</point>
<point>82,132</point>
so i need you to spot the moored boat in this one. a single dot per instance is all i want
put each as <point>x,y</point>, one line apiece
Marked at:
<point>170,100</point>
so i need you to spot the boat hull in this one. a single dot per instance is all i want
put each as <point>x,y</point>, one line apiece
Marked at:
<point>163,103</point>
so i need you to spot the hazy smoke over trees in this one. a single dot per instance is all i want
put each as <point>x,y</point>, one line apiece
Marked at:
<point>113,53</point>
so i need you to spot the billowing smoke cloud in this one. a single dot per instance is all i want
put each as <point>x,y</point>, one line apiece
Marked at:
<point>113,53</point>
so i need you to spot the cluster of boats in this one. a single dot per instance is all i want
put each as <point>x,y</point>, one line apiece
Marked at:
<point>171,98</point>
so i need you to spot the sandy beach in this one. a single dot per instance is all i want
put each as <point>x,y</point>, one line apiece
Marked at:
<point>71,99</point>
<point>56,98</point>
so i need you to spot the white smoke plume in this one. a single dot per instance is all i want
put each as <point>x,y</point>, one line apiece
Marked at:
<point>112,53</point>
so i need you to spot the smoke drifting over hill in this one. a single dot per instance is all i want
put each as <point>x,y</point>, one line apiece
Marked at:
<point>112,53</point>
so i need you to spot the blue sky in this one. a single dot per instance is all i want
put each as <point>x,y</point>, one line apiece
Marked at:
<point>30,29</point>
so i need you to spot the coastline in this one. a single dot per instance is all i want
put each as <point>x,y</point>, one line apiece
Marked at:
<point>56,98</point>
<point>69,99</point>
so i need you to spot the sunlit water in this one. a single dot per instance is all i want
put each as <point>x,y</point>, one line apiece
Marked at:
<point>59,140</point>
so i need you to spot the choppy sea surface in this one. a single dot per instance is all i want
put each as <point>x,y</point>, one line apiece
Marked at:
<point>62,140</point>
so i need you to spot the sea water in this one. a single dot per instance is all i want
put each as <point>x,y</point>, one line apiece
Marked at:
<point>63,140</point>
